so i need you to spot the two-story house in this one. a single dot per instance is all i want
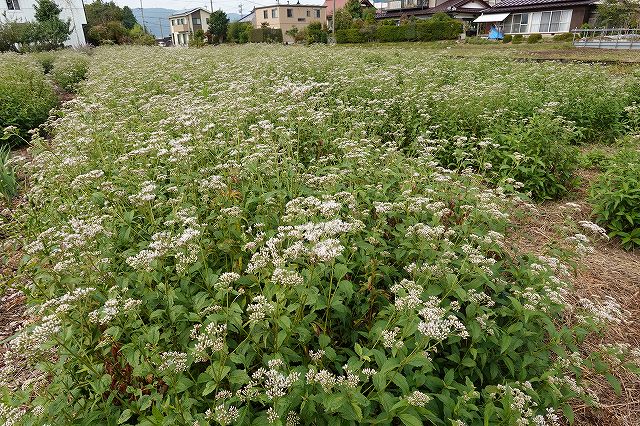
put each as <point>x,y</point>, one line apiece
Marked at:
<point>183,25</point>
<point>73,10</point>
<point>464,10</point>
<point>288,16</point>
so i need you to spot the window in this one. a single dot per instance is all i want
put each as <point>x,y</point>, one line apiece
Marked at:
<point>516,23</point>
<point>197,21</point>
<point>289,13</point>
<point>308,13</point>
<point>265,14</point>
<point>317,13</point>
<point>13,5</point>
<point>181,21</point>
<point>274,13</point>
<point>551,22</point>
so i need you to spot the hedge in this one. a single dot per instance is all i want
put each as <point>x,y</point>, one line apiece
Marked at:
<point>266,35</point>
<point>435,28</point>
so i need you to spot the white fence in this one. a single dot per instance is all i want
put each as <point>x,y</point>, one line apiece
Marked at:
<point>607,38</point>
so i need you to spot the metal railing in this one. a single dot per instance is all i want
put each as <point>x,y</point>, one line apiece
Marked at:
<point>607,38</point>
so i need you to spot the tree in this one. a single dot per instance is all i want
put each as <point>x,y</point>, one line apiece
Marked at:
<point>315,33</point>
<point>128,19</point>
<point>354,8</point>
<point>218,23</point>
<point>239,32</point>
<point>617,14</point>
<point>343,19</point>
<point>50,31</point>
<point>139,36</point>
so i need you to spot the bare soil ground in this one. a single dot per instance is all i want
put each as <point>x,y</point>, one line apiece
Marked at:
<point>608,271</point>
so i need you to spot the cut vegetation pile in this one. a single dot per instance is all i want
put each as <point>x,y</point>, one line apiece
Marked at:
<point>269,235</point>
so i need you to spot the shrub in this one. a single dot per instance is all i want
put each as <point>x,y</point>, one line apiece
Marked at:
<point>46,59</point>
<point>594,159</point>
<point>517,39</point>
<point>8,182</point>
<point>507,38</point>
<point>535,157</point>
<point>388,33</point>
<point>563,37</point>
<point>534,38</point>
<point>352,35</point>
<point>239,32</point>
<point>315,33</point>
<point>69,69</point>
<point>438,27</point>
<point>26,97</point>
<point>266,35</point>
<point>615,197</point>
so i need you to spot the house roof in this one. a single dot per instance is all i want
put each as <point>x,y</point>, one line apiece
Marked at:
<point>188,12</point>
<point>289,5</point>
<point>457,5</point>
<point>341,3</point>
<point>539,4</point>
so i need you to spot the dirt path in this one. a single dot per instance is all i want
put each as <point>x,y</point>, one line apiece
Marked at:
<point>607,271</point>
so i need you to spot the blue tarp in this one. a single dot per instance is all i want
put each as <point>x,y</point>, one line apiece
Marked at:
<point>495,33</point>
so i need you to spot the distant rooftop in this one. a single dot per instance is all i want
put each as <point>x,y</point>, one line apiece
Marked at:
<point>188,12</point>
<point>291,5</point>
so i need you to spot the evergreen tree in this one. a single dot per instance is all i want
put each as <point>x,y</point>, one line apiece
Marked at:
<point>50,32</point>
<point>128,19</point>
<point>218,23</point>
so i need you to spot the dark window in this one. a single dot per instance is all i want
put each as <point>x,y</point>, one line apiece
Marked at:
<point>13,5</point>
<point>309,13</point>
<point>317,13</point>
<point>289,13</point>
<point>265,14</point>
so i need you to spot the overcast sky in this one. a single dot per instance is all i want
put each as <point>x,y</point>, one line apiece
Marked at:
<point>226,5</point>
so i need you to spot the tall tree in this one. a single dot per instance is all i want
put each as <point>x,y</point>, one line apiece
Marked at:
<point>50,31</point>
<point>218,23</point>
<point>618,14</point>
<point>354,8</point>
<point>128,19</point>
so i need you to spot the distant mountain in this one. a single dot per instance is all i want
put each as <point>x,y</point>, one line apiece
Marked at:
<point>157,19</point>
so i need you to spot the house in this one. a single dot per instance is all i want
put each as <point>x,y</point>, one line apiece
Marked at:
<point>183,25</point>
<point>464,10</point>
<point>547,17</point>
<point>339,5</point>
<point>73,10</point>
<point>288,16</point>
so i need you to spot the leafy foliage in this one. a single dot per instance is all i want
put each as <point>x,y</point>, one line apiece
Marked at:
<point>438,27</point>
<point>290,249</point>
<point>26,97</point>
<point>239,32</point>
<point>108,23</point>
<point>617,14</point>
<point>615,197</point>
<point>69,69</point>
<point>218,22</point>
<point>8,182</point>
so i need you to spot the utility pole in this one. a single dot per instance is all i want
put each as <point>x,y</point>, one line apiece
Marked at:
<point>161,30</point>
<point>211,5</point>
<point>144,26</point>
<point>333,20</point>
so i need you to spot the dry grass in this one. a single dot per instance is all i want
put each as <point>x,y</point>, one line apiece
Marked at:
<point>608,271</point>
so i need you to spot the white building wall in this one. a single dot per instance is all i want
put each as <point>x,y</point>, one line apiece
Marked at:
<point>71,9</point>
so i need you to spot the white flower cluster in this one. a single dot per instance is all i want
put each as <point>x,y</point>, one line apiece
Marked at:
<point>286,277</point>
<point>418,399</point>
<point>211,338</point>
<point>607,311</point>
<point>327,380</point>
<point>111,308</point>
<point>223,415</point>
<point>436,324</point>
<point>275,383</point>
<point>64,303</point>
<point>259,308</point>
<point>390,339</point>
<point>407,295</point>
<point>173,362</point>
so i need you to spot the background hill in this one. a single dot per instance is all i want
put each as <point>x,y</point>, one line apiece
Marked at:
<point>157,19</point>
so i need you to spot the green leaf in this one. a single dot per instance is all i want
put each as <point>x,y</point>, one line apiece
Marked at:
<point>410,420</point>
<point>126,414</point>
<point>568,413</point>
<point>615,383</point>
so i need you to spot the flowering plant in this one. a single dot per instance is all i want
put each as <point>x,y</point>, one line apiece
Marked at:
<point>271,249</point>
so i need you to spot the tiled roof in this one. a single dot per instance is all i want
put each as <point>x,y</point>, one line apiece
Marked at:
<point>425,11</point>
<point>340,4</point>
<point>188,12</point>
<point>539,4</point>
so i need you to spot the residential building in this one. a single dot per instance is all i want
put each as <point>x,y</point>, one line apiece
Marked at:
<point>183,25</point>
<point>73,10</point>
<point>339,5</point>
<point>288,16</point>
<point>464,10</point>
<point>546,17</point>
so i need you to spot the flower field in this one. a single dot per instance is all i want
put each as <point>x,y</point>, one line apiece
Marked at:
<point>276,235</point>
